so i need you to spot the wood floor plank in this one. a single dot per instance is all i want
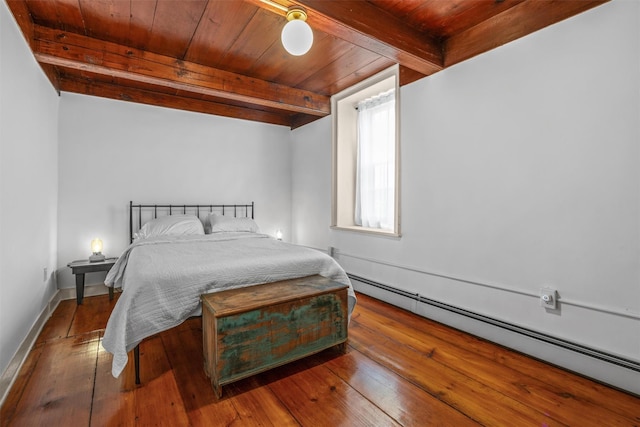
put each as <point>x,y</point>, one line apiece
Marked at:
<point>113,398</point>
<point>564,407</point>
<point>257,405</point>
<point>14,396</point>
<point>158,400</point>
<point>402,400</point>
<point>60,389</point>
<point>569,395</point>
<point>317,397</point>
<point>184,351</point>
<point>58,324</point>
<point>92,315</point>
<point>457,390</point>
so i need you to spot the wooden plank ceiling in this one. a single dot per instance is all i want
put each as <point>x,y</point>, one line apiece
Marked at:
<point>225,57</point>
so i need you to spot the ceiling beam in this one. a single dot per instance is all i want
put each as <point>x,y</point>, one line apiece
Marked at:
<point>81,53</point>
<point>360,23</point>
<point>20,12</point>
<point>515,22</point>
<point>150,97</point>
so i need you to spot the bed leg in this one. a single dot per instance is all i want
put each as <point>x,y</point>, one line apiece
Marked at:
<point>136,362</point>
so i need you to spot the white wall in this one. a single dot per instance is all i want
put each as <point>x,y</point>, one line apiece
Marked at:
<point>520,169</point>
<point>311,184</point>
<point>28,188</point>
<point>112,152</point>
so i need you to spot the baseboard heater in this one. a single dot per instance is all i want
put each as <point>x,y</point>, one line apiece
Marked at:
<point>610,358</point>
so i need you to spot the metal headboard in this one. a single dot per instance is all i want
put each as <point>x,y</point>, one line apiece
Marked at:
<point>141,213</point>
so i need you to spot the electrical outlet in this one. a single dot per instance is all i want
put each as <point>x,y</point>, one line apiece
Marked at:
<point>548,298</point>
<point>45,274</point>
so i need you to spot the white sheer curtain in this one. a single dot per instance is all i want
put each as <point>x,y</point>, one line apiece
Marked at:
<point>375,170</point>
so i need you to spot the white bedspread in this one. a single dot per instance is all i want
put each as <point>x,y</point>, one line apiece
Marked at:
<point>162,279</point>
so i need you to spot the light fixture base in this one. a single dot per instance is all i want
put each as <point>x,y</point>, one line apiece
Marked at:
<point>296,13</point>
<point>96,257</point>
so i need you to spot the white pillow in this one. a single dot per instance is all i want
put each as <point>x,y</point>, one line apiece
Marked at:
<point>222,223</point>
<point>174,225</point>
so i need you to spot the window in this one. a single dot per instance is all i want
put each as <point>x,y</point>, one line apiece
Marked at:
<point>365,193</point>
<point>375,161</point>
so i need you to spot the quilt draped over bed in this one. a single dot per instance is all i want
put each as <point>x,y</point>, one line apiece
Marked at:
<point>163,277</point>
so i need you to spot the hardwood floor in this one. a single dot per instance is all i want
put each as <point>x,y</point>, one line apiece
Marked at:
<point>399,369</point>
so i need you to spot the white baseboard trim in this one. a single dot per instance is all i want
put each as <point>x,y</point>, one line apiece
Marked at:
<point>609,369</point>
<point>10,374</point>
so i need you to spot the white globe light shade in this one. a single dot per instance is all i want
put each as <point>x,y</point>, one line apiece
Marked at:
<point>297,37</point>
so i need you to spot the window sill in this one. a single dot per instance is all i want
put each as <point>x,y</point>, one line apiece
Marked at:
<point>366,230</point>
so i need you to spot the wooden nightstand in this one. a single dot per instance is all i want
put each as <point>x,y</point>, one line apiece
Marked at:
<point>79,268</point>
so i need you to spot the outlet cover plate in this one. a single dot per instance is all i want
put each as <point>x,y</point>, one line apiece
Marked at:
<point>548,298</point>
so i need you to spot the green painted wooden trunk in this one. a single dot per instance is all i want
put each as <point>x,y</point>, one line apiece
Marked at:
<point>252,329</point>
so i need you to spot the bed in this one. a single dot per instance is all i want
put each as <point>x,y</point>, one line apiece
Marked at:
<point>179,252</point>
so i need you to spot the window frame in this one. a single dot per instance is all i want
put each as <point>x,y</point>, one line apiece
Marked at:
<point>343,149</point>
